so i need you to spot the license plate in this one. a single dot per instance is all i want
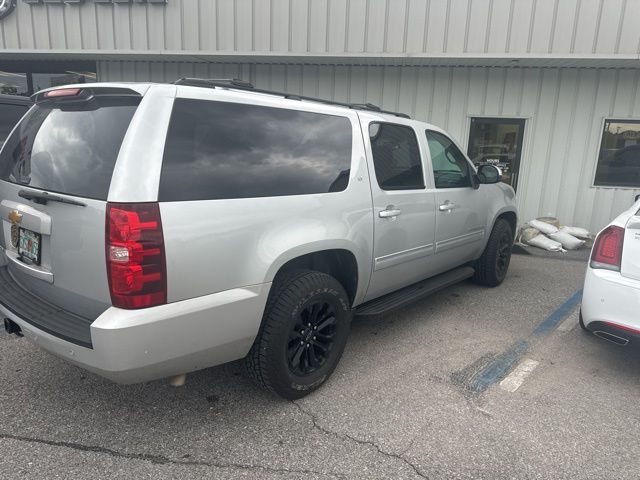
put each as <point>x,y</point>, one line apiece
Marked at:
<point>29,245</point>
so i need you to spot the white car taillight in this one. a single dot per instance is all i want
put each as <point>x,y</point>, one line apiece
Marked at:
<point>607,249</point>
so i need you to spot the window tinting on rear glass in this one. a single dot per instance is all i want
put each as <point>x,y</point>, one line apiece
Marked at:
<point>220,150</point>
<point>68,150</point>
<point>9,116</point>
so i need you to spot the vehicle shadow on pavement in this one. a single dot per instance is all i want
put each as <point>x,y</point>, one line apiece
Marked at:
<point>392,392</point>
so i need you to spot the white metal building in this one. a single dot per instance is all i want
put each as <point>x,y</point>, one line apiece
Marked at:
<point>548,89</point>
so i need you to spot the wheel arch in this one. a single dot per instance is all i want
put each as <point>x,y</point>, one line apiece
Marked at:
<point>506,213</point>
<point>511,217</point>
<point>340,263</point>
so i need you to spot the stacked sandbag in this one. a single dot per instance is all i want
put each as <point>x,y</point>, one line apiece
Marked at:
<point>546,233</point>
<point>567,240</point>
<point>527,233</point>
<point>546,243</point>
<point>551,220</point>
<point>543,226</point>
<point>577,232</point>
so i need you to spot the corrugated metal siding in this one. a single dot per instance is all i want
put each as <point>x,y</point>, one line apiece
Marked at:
<point>332,26</point>
<point>564,108</point>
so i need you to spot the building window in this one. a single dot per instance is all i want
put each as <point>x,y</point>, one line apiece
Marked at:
<point>498,142</point>
<point>619,156</point>
<point>47,80</point>
<point>24,78</point>
<point>14,83</point>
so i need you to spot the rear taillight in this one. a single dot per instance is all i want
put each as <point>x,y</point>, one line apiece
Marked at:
<point>607,249</point>
<point>135,255</point>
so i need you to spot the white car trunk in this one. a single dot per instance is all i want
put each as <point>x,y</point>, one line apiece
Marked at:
<point>631,250</point>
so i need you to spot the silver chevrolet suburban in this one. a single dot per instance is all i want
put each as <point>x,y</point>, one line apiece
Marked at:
<point>150,230</point>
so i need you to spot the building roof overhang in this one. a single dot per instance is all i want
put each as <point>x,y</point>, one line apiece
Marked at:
<point>378,59</point>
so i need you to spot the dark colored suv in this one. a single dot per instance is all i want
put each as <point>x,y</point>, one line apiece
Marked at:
<point>12,108</point>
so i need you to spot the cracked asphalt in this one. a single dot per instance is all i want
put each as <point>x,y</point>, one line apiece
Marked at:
<point>398,406</point>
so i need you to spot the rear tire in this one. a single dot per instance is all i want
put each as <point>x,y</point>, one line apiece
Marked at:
<point>491,268</point>
<point>304,331</point>
<point>581,322</point>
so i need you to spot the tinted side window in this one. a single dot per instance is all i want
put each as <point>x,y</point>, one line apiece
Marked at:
<point>450,167</point>
<point>396,157</point>
<point>9,116</point>
<point>221,150</point>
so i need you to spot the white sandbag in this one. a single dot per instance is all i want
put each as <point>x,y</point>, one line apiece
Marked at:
<point>544,227</point>
<point>546,243</point>
<point>551,220</point>
<point>568,241</point>
<point>527,233</point>
<point>576,232</point>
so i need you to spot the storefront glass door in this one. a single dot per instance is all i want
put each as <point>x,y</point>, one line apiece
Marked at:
<point>497,141</point>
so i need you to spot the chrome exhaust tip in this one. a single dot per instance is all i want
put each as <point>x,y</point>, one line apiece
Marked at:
<point>611,338</point>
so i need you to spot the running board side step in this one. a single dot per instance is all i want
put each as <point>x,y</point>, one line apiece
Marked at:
<point>414,292</point>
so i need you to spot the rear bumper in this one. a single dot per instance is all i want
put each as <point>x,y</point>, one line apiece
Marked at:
<point>610,306</point>
<point>615,333</point>
<point>131,346</point>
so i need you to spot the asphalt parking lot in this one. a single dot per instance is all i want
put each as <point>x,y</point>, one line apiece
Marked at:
<point>417,395</point>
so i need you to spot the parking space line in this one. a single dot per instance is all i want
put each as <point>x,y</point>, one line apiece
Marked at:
<point>569,323</point>
<point>498,368</point>
<point>559,314</point>
<point>516,378</point>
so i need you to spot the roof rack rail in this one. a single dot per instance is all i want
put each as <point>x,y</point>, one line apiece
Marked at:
<point>237,84</point>
<point>210,82</point>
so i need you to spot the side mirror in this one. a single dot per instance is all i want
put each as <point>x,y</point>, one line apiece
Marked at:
<point>637,198</point>
<point>489,174</point>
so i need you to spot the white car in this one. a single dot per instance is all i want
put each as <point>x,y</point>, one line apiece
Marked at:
<point>611,295</point>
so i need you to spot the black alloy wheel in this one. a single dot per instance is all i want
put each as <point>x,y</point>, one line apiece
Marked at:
<point>503,254</point>
<point>311,338</point>
<point>491,268</point>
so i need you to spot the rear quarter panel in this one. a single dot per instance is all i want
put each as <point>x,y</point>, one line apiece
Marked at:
<point>216,245</point>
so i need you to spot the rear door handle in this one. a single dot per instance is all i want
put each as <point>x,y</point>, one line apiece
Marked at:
<point>389,212</point>
<point>447,206</point>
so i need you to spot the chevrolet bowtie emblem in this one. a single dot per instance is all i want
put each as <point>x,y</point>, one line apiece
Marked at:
<point>15,217</point>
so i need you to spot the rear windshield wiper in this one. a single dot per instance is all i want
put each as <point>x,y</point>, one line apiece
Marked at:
<point>43,197</point>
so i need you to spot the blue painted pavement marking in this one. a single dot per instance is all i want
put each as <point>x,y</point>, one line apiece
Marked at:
<point>558,314</point>
<point>500,366</point>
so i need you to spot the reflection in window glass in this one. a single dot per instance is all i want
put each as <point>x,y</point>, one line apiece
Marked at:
<point>396,157</point>
<point>497,142</point>
<point>48,80</point>
<point>67,151</point>
<point>619,156</point>
<point>450,167</point>
<point>9,116</point>
<point>222,150</point>
<point>14,83</point>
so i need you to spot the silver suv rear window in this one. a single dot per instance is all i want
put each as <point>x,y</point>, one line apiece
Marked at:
<point>222,150</point>
<point>68,149</point>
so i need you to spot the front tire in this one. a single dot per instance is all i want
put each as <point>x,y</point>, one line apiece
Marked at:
<point>491,268</point>
<point>303,334</point>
